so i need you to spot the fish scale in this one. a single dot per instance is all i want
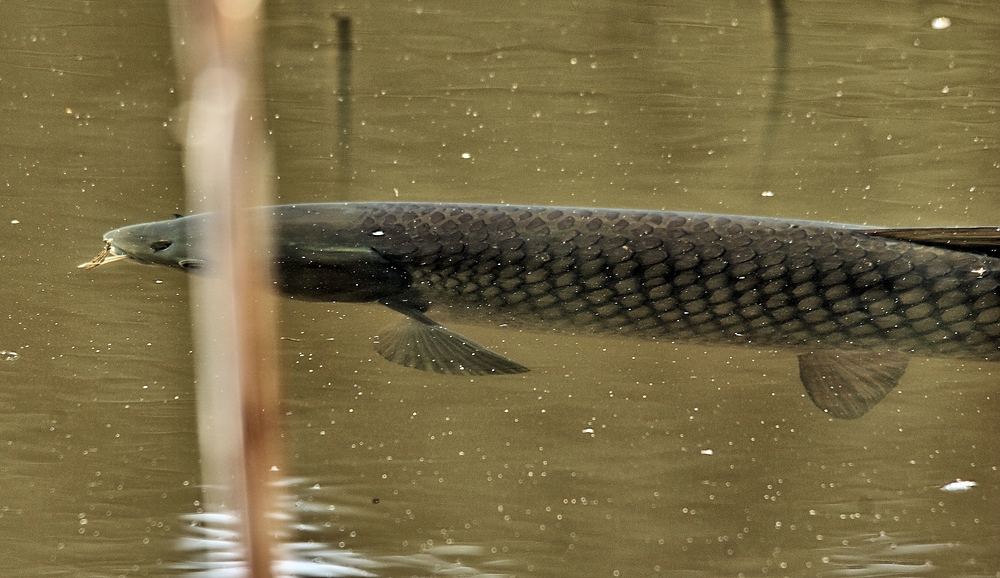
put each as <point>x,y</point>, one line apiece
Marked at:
<point>715,277</point>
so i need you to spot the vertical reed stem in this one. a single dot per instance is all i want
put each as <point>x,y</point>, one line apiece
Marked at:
<point>227,169</point>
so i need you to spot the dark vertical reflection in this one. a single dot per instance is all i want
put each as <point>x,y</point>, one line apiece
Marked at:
<point>779,16</point>
<point>342,152</point>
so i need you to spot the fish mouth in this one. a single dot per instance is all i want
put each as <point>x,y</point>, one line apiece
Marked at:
<point>109,254</point>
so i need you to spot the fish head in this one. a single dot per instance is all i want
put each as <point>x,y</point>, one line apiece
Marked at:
<point>169,243</point>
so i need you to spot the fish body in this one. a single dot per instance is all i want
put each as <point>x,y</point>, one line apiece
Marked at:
<point>852,301</point>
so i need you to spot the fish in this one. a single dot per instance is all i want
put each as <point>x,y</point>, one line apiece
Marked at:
<point>853,302</point>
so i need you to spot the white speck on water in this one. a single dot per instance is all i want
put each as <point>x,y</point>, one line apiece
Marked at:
<point>959,485</point>
<point>466,156</point>
<point>8,355</point>
<point>15,222</point>
<point>706,452</point>
<point>588,430</point>
<point>378,233</point>
<point>767,194</point>
<point>940,23</point>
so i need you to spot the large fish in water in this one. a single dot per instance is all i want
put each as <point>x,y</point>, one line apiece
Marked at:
<point>851,301</point>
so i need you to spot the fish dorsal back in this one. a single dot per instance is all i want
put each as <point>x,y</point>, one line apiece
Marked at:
<point>981,240</point>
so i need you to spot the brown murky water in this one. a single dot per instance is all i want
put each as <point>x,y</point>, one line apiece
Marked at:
<point>611,457</point>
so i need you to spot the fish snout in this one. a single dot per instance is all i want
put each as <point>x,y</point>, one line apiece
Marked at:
<point>114,250</point>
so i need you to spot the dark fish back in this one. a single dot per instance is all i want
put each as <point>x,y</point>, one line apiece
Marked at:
<point>704,277</point>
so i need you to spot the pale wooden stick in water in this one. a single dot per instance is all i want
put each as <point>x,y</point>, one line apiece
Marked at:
<point>102,258</point>
<point>98,260</point>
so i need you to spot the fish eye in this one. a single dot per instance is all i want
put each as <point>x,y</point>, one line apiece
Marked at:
<point>158,246</point>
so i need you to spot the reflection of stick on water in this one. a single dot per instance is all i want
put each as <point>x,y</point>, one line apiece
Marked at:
<point>776,96</point>
<point>215,550</point>
<point>342,149</point>
<point>213,546</point>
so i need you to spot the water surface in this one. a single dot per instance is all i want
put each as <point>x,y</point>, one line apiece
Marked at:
<point>611,457</point>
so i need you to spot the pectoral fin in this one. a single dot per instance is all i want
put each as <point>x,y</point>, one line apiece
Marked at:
<point>846,384</point>
<point>421,343</point>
